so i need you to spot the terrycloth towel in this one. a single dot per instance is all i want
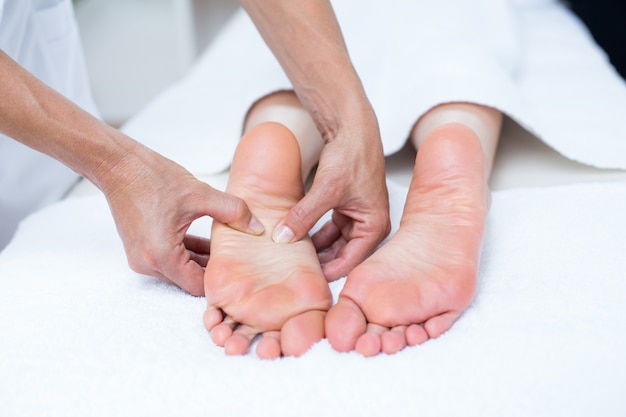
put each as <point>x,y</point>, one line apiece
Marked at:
<point>532,59</point>
<point>82,335</point>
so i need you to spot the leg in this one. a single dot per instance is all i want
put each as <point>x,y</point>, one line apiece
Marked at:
<point>424,277</point>
<point>254,286</point>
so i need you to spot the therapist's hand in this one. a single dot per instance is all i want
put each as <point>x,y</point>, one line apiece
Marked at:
<point>350,179</point>
<point>154,201</point>
<point>306,39</point>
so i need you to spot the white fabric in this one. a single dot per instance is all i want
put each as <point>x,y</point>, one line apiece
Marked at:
<point>530,58</point>
<point>82,335</point>
<point>42,36</point>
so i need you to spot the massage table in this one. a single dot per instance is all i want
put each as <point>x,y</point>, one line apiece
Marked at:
<point>83,335</point>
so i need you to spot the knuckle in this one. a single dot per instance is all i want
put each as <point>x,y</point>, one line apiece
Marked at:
<point>299,215</point>
<point>236,210</point>
<point>385,229</point>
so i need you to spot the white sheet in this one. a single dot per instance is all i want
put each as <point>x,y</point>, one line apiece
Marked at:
<point>83,335</point>
<point>530,58</point>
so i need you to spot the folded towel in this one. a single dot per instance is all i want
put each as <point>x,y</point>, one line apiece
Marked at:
<point>532,59</point>
<point>82,335</point>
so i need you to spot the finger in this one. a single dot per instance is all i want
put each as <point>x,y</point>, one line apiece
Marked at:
<point>189,277</point>
<point>180,269</point>
<point>324,238</point>
<point>227,209</point>
<point>353,253</point>
<point>144,269</point>
<point>302,217</point>
<point>197,244</point>
<point>325,242</point>
<point>333,252</point>
<point>199,258</point>
<point>339,259</point>
<point>198,248</point>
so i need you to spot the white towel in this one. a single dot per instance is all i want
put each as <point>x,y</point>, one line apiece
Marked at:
<point>532,59</point>
<point>82,335</point>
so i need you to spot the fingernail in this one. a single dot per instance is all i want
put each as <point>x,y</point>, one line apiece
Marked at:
<point>283,234</point>
<point>256,226</point>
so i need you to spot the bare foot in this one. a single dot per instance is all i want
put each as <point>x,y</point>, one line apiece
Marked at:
<point>419,283</point>
<point>254,286</point>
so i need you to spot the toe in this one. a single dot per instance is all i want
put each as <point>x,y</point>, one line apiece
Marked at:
<point>212,317</point>
<point>394,340</point>
<point>222,331</point>
<point>416,335</point>
<point>370,343</point>
<point>440,324</point>
<point>239,342</point>
<point>300,332</point>
<point>269,345</point>
<point>345,323</point>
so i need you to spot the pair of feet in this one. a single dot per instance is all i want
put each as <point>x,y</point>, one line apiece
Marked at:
<point>411,289</point>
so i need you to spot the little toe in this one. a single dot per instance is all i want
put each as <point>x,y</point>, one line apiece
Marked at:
<point>440,324</point>
<point>212,317</point>
<point>345,323</point>
<point>299,333</point>
<point>221,332</point>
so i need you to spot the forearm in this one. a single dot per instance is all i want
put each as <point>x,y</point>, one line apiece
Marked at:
<point>39,117</point>
<point>152,199</point>
<point>307,41</point>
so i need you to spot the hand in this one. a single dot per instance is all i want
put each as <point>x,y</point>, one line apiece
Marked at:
<point>351,180</point>
<point>306,39</point>
<point>154,201</point>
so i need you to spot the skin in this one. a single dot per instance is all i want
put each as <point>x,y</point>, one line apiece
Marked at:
<point>153,200</point>
<point>414,287</point>
<point>255,286</point>
<point>420,282</point>
<point>350,179</point>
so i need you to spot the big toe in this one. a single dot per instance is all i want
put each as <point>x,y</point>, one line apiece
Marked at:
<point>301,332</point>
<point>345,323</point>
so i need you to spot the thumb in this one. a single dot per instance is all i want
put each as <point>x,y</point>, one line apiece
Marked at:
<point>301,218</point>
<point>228,209</point>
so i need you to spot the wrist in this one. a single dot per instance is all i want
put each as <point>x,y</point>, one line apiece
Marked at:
<point>339,109</point>
<point>115,161</point>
